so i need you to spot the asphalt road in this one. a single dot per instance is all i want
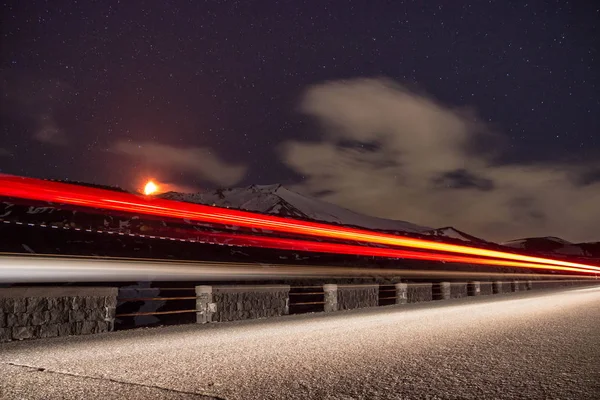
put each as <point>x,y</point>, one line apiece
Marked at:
<point>534,345</point>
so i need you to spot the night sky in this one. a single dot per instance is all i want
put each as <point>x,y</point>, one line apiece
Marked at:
<point>316,95</point>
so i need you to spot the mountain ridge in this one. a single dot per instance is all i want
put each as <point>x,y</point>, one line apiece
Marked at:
<point>276,199</point>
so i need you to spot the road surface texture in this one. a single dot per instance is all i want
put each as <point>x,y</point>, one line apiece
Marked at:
<point>531,345</point>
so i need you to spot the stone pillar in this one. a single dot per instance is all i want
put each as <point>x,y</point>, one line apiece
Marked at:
<point>205,308</point>
<point>474,288</point>
<point>401,293</point>
<point>331,297</point>
<point>514,286</point>
<point>528,285</point>
<point>442,290</point>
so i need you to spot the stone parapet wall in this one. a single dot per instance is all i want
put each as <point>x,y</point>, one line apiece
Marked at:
<point>548,284</point>
<point>234,303</point>
<point>458,290</point>
<point>419,292</point>
<point>486,288</point>
<point>500,287</point>
<point>449,290</point>
<point>351,297</point>
<point>544,284</point>
<point>518,286</point>
<point>41,312</point>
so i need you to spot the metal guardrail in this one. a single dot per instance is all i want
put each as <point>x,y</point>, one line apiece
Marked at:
<point>299,300</point>
<point>140,314</point>
<point>302,299</point>
<point>123,301</point>
<point>384,292</point>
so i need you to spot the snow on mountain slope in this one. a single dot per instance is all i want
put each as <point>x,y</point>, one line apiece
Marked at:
<point>549,240</point>
<point>453,233</point>
<point>277,200</point>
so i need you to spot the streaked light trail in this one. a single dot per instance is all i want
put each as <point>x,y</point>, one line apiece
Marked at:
<point>336,248</point>
<point>35,189</point>
<point>24,269</point>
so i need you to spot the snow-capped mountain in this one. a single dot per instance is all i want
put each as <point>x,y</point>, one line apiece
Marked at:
<point>551,244</point>
<point>277,200</point>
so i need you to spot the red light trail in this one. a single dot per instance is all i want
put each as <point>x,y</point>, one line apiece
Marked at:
<point>40,190</point>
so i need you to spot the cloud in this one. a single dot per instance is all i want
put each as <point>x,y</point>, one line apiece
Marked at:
<point>198,160</point>
<point>177,187</point>
<point>393,153</point>
<point>35,102</point>
<point>48,131</point>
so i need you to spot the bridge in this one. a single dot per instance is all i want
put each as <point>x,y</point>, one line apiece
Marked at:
<point>534,344</point>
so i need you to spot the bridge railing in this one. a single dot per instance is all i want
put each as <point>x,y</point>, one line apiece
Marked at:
<point>37,312</point>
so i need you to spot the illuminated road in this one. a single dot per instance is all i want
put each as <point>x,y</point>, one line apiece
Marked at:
<point>533,345</point>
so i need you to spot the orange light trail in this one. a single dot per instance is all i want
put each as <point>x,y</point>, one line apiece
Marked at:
<point>35,189</point>
<point>336,248</point>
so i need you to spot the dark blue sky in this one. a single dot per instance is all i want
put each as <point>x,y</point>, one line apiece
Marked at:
<point>227,75</point>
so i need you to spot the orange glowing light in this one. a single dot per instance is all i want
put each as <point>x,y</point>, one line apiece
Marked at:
<point>150,188</point>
